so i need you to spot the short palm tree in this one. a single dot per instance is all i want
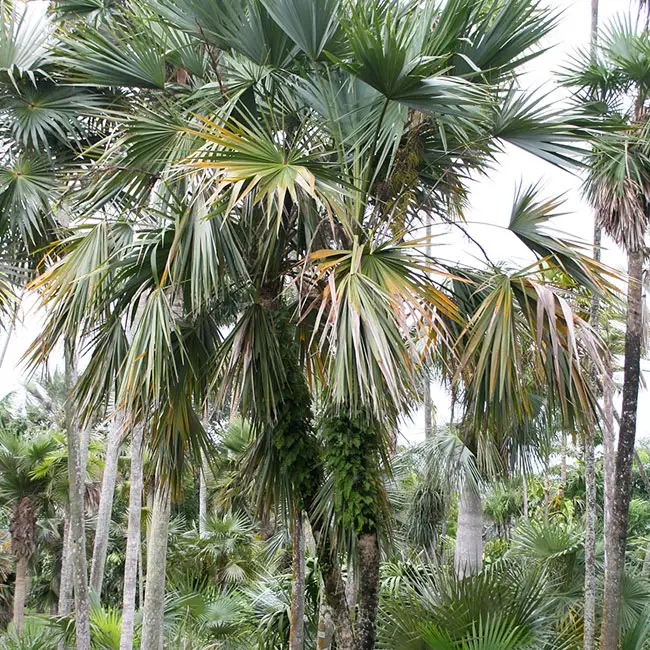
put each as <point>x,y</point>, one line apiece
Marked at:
<point>24,494</point>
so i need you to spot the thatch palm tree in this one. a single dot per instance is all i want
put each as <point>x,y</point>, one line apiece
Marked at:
<point>25,494</point>
<point>287,208</point>
<point>618,186</point>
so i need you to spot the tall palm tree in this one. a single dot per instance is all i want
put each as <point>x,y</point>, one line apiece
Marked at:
<point>25,494</point>
<point>286,209</point>
<point>618,187</point>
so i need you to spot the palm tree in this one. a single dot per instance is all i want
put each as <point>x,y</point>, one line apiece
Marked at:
<point>25,494</point>
<point>285,209</point>
<point>617,187</point>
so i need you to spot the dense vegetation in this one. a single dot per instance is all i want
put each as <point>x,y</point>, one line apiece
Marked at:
<point>229,215</point>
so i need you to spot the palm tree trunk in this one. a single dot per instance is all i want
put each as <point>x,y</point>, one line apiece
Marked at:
<point>105,511</point>
<point>325,636</point>
<point>591,514</point>
<point>351,588</point>
<point>589,638</point>
<point>203,497</point>
<point>20,594</point>
<point>132,540</point>
<point>335,595</point>
<point>77,533</point>
<point>616,532</point>
<point>10,329</point>
<point>428,406</point>
<point>297,614</point>
<point>524,490</point>
<point>609,444</point>
<point>469,534</point>
<point>368,570</point>
<point>560,490</point>
<point>154,596</point>
<point>65,586</point>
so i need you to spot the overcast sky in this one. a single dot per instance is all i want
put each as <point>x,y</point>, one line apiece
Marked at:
<point>490,203</point>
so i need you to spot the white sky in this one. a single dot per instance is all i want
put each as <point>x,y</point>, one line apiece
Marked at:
<point>491,202</point>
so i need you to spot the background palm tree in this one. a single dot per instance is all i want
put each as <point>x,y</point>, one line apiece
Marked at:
<point>617,186</point>
<point>22,490</point>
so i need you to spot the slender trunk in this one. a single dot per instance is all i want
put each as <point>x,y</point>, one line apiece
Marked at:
<point>428,406</point>
<point>591,515</point>
<point>560,490</point>
<point>10,330</point>
<point>20,594</point>
<point>203,497</point>
<point>325,636</point>
<point>469,534</point>
<point>368,569</point>
<point>524,490</point>
<point>616,533</point>
<point>77,533</point>
<point>65,586</point>
<point>590,542</point>
<point>154,598</point>
<point>609,445</point>
<point>132,540</point>
<point>335,595</point>
<point>351,588</point>
<point>141,578</point>
<point>297,630</point>
<point>105,511</point>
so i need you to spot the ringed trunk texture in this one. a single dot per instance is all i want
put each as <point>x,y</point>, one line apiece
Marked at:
<point>297,615</point>
<point>65,582</point>
<point>609,445</point>
<point>524,490</point>
<point>468,558</point>
<point>203,497</point>
<point>368,594</point>
<point>590,543</point>
<point>105,511</point>
<point>335,596</point>
<point>76,532</point>
<point>428,410</point>
<point>154,595</point>
<point>616,532</point>
<point>132,540</point>
<point>20,594</point>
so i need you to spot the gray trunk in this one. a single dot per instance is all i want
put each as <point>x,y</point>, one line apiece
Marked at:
<point>468,558</point>
<point>590,543</point>
<point>609,446</point>
<point>105,511</point>
<point>325,635</point>
<point>20,594</point>
<point>616,531</point>
<point>203,497</point>
<point>132,540</point>
<point>428,410</point>
<point>297,614</point>
<point>154,597</point>
<point>524,490</point>
<point>351,588</point>
<point>563,454</point>
<point>76,532</point>
<point>65,583</point>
